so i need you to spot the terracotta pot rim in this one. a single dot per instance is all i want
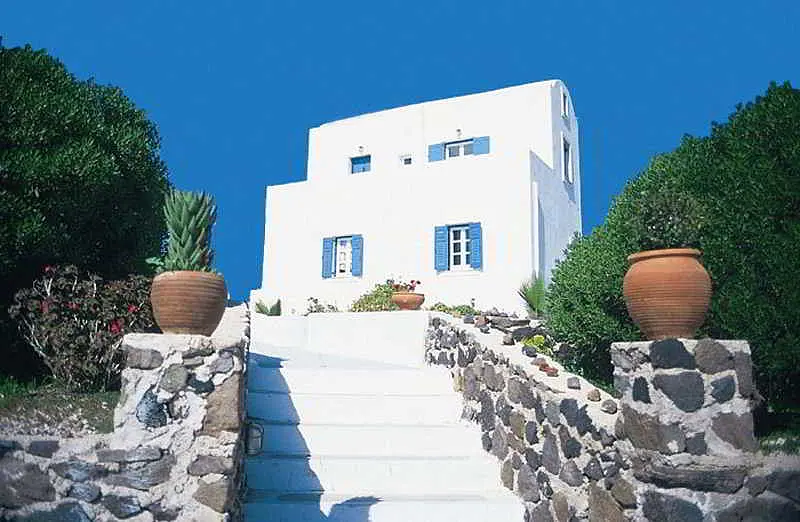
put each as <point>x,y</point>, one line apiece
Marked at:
<point>199,272</point>
<point>664,252</point>
<point>408,293</point>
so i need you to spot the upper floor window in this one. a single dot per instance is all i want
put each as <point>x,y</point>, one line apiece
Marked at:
<point>564,105</point>
<point>360,164</point>
<point>458,148</point>
<point>405,159</point>
<point>566,161</point>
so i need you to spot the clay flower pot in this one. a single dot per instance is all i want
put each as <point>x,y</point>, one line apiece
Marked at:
<point>188,302</point>
<point>408,300</point>
<point>667,292</point>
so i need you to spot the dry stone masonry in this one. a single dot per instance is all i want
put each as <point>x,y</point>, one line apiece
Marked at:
<point>677,445</point>
<point>175,451</point>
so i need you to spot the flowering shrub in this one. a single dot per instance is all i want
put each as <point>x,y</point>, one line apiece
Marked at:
<point>379,299</point>
<point>401,286</point>
<point>75,322</point>
<point>457,310</point>
<point>315,306</point>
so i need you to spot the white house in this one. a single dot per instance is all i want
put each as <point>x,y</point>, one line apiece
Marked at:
<point>471,195</point>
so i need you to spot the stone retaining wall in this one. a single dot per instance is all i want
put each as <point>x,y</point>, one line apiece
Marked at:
<point>677,446</point>
<point>176,449</point>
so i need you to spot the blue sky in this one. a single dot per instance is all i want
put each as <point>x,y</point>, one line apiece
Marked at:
<point>234,86</point>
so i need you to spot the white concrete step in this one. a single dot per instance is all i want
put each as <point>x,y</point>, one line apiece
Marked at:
<point>371,440</point>
<point>350,381</point>
<point>375,476</point>
<point>318,408</point>
<point>350,508</point>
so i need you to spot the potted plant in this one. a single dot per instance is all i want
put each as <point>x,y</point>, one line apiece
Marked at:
<point>404,296</point>
<point>187,295</point>
<point>667,291</point>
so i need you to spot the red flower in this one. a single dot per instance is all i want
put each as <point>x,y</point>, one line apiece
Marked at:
<point>45,306</point>
<point>73,306</point>
<point>48,269</point>
<point>133,308</point>
<point>115,327</point>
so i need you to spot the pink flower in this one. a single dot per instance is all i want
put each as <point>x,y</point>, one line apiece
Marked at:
<point>115,327</point>
<point>48,269</point>
<point>73,306</point>
<point>132,308</point>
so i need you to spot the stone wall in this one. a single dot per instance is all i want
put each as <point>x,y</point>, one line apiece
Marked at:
<point>176,449</point>
<point>678,445</point>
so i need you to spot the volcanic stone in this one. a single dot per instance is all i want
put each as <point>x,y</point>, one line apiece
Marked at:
<point>516,461</point>
<point>583,423</point>
<point>696,444</point>
<point>665,508</point>
<point>145,477</point>
<point>544,483</point>
<point>8,446</point>
<point>143,358</point>
<point>200,387</point>
<point>671,353</point>
<point>216,495</point>
<point>569,408</point>
<point>756,485</point>
<point>552,412</point>
<point>517,422</point>
<point>593,469</point>
<point>570,474</point>
<point>532,458</point>
<point>204,350</point>
<point>569,446</point>
<point>593,395</point>
<point>695,477</point>
<point>514,390</point>
<point>573,383</point>
<point>527,487</point>
<point>205,464</point>
<point>622,490</point>
<point>499,443</point>
<point>744,374</point>
<point>486,441</point>
<point>765,507</point>
<point>78,470</point>
<point>141,454</point>
<point>646,432</point>
<point>150,412</point>
<point>122,506</point>
<point>712,357</point>
<point>609,406</point>
<point>86,492</point>
<point>222,364</point>
<point>523,333</point>
<point>550,456</point>
<point>487,412</point>
<point>785,482</point>
<point>160,512</point>
<point>66,512</point>
<point>684,389</point>
<point>43,448</point>
<point>641,390</point>
<point>22,484</point>
<point>602,507</point>
<point>723,388</point>
<point>507,475</point>
<point>223,407</point>
<point>493,379</point>
<point>531,432</point>
<point>737,430</point>
<point>540,513</point>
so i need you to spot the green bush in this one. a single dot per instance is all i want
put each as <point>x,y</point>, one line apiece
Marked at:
<point>457,310</point>
<point>75,322</point>
<point>315,306</point>
<point>735,195</point>
<point>81,181</point>
<point>275,309</point>
<point>533,293</point>
<point>379,299</point>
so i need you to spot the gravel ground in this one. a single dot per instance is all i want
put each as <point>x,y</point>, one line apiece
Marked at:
<point>51,412</point>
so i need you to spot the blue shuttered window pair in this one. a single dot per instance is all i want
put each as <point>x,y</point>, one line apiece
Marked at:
<point>329,254</point>
<point>444,246</point>
<point>436,152</point>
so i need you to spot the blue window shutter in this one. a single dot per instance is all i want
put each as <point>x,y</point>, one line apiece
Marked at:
<point>358,255</point>
<point>441,251</point>
<point>327,257</point>
<point>475,246</point>
<point>436,152</point>
<point>480,145</point>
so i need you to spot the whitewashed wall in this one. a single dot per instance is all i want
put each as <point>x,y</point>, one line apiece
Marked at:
<point>396,207</point>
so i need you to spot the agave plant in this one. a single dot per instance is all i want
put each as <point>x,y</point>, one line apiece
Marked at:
<point>533,293</point>
<point>190,217</point>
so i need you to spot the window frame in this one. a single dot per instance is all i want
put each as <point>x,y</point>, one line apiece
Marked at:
<point>359,167</point>
<point>567,160</point>
<point>335,256</point>
<point>460,145</point>
<point>465,244</point>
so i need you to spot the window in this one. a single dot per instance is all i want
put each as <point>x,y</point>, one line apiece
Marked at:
<point>459,248</point>
<point>342,256</point>
<point>360,164</point>
<point>566,160</point>
<point>458,148</point>
<point>405,160</point>
<point>564,105</point>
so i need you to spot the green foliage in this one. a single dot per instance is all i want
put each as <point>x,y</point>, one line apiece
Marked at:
<point>190,216</point>
<point>735,195</point>
<point>379,299</point>
<point>457,310</point>
<point>275,309</point>
<point>315,306</point>
<point>533,293</point>
<point>81,180</point>
<point>75,322</point>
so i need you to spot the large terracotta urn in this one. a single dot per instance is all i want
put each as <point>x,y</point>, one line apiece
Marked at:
<point>667,292</point>
<point>408,300</point>
<point>188,302</point>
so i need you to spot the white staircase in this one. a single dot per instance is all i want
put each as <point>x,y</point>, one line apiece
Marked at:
<point>348,439</point>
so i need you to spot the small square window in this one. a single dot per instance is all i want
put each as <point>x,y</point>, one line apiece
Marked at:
<point>566,161</point>
<point>564,105</point>
<point>360,164</point>
<point>405,160</point>
<point>459,148</point>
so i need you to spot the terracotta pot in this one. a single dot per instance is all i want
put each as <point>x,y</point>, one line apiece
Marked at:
<point>188,302</point>
<point>667,292</point>
<point>408,300</point>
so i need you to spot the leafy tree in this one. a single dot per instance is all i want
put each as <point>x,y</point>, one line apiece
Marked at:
<point>735,194</point>
<point>81,180</point>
